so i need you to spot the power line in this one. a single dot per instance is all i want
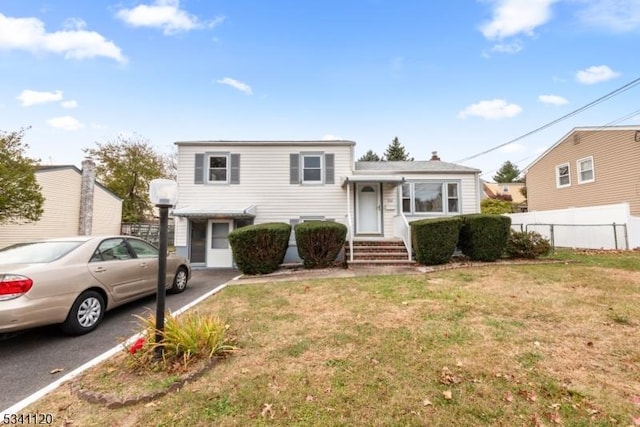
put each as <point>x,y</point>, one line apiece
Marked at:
<point>558,120</point>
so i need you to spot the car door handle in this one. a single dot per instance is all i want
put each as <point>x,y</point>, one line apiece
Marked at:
<point>143,264</point>
<point>100,269</point>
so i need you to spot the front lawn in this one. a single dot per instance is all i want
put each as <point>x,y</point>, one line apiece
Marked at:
<point>526,345</point>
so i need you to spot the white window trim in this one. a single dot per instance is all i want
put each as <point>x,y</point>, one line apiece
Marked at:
<point>302,168</point>
<point>208,168</point>
<point>558,185</point>
<point>579,170</point>
<point>445,198</point>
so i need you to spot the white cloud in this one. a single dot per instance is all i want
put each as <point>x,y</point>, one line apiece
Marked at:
<point>596,74</point>
<point>28,97</point>
<point>72,103</point>
<point>616,15</point>
<point>552,99</point>
<point>164,14</point>
<point>508,48</point>
<point>331,137</point>
<point>513,17</point>
<point>512,148</point>
<point>29,34</point>
<point>65,123</point>
<point>494,109</point>
<point>242,87</point>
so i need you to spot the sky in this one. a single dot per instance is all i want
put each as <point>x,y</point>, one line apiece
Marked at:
<point>460,77</point>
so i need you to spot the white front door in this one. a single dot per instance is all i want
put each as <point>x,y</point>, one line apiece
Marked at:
<point>219,251</point>
<point>367,209</point>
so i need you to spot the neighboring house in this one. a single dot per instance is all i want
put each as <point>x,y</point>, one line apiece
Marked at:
<point>494,190</point>
<point>229,184</point>
<point>75,204</point>
<point>590,166</point>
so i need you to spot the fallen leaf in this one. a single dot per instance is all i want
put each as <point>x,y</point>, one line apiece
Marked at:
<point>375,361</point>
<point>635,400</point>
<point>310,398</point>
<point>405,303</point>
<point>426,402</point>
<point>636,421</point>
<point>267,410</point>
<point>55,371</point>
<point>447,394</point>
<point>590,344</point>
<point>554,417</point>
<point>508,397</point>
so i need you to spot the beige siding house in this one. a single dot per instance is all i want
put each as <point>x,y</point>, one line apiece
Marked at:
<point>74,205</point>
<point>587,167</point>
<point>228,184</point>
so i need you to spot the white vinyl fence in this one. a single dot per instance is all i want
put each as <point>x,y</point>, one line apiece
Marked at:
<point>596,227</point>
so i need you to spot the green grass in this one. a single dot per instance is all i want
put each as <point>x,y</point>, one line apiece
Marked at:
<point>542,344</point>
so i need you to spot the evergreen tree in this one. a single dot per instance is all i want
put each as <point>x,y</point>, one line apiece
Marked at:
<point>370,156</point>
<point>508,172</point>
<point>20,195</point>
<point>396,152</point>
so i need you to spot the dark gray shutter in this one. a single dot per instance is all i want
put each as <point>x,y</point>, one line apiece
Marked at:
<point>329,169</point>
<point>294,168</point>
<point>198,167</point>
<point>235,169</point>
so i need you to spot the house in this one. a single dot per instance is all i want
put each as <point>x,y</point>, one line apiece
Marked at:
<point>495,190</point>
<point>590,166</point>
<point>75,204</point>
<point>229,184</point>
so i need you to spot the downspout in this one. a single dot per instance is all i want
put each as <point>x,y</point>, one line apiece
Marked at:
<point>349,220</point>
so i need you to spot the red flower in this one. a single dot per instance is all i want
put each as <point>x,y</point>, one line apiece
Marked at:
<point>136,345</point>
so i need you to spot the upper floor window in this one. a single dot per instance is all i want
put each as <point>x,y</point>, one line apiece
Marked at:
<point>585,170</point>
<point>218,171</point>
<point>563,177</point>
<point>312,168</point>
<point>430,197</point>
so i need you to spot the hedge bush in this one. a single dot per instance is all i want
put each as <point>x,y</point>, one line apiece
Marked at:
<point>523,244</point>
<point>483,237</point>
<point>434,240</point>
<point>260,248</point>
<point>319,242</point>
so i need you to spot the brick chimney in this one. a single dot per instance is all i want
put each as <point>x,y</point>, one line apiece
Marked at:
<point>434,156</point>
<point>86,196</point>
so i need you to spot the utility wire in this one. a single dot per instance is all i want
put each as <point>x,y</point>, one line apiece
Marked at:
<point>558,120</point>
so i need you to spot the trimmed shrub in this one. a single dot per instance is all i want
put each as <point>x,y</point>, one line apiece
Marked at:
<point>260,248</point>
<point>523,244</point>
<point>483,237</point>
<point>434,240</point>
<point>319,242</point>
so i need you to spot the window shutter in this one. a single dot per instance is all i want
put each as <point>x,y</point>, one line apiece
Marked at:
<point>198,168</point>
<point>294,168</point>
<point>235,169</point>
<point>329,169</point>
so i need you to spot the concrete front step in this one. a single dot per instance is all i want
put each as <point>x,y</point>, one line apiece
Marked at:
<point>379,263</point>
<point>381,255</point>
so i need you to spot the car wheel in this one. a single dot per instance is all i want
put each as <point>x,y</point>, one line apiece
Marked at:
<point>179,281</point>
<point>85,314</point>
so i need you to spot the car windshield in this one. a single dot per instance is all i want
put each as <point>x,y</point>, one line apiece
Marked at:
<point>36,252</point>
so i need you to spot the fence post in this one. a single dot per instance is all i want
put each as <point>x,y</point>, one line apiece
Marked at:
<point>553,243</point>
<point>615,236</point>
<point>626,237</point>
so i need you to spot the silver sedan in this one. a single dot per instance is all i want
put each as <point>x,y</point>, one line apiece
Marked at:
<point>73,281</point>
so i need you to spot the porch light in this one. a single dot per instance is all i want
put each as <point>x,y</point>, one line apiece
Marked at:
<point>164,194</point>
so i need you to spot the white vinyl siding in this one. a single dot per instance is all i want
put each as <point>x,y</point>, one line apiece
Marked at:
<point>265,183</point>
<point>585,170</point>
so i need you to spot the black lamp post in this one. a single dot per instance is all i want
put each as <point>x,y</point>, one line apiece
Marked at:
<point>164,195</point>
